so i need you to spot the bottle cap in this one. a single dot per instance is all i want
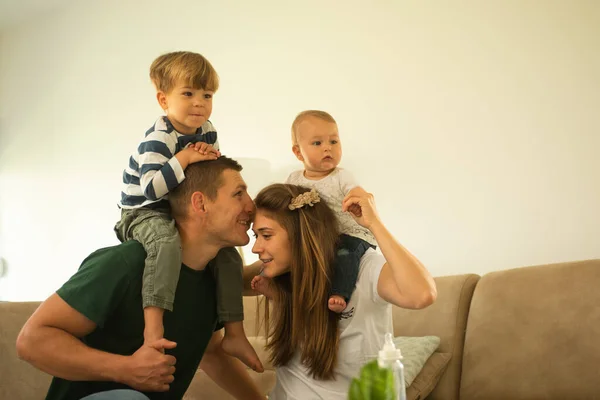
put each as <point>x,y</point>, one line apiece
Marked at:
<point>389,352</point>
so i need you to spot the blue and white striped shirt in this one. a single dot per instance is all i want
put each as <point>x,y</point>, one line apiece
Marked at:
<point>153,170</point>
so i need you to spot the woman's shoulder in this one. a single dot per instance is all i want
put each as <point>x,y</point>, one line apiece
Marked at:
<point>372,259</point>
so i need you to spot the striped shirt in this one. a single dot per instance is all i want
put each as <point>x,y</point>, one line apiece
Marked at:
<point>153,170</point>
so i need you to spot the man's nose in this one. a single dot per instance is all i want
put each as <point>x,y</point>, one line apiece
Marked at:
<point>250,207</point>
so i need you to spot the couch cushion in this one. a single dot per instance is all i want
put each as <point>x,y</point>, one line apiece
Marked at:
<point>533,333</point>
<point>20,381</point>
<point>429,376</point>
<point>447,319</point>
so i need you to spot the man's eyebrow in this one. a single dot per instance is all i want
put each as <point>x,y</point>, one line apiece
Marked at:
<point>241,186</point>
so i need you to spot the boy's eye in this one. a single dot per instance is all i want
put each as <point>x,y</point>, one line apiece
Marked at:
<point>208,96</point>
<point>187,94</point>
<point>317,143</point>
<point>334,142</point>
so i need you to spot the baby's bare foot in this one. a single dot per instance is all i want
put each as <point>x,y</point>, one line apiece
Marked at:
<point>336,303</point>
<point>240,347</point>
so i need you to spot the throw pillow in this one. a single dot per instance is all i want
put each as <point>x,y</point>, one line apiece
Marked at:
<point>415,352</point>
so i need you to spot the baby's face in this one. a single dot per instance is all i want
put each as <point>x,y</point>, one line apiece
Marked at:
<point>319,146</point>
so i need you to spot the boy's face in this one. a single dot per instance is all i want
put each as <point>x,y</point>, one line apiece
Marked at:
<point>187,108</point>
<point>319,146</point>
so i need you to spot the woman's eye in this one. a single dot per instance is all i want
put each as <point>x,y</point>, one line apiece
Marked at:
<point>255,235</point>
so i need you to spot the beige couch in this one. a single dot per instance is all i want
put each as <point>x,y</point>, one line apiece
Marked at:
<point>527,333</point>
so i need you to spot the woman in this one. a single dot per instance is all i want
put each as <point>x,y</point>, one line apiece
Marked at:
<point>315,351</point>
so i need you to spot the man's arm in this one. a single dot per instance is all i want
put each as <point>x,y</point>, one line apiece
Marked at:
<point>50,341</point>
<point>228,372</point>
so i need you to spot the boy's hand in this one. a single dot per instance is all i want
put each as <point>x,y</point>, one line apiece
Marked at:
<point>192,155</point>
<point>205,148</point>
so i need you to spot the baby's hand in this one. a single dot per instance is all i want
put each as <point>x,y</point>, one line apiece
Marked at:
<point>205,148</point>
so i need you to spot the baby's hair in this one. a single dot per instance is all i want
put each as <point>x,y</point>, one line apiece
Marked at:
<point>192,69</point>
<point>325,116</point>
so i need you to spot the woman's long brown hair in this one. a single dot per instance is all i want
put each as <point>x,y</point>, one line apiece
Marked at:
<point>301,319</point>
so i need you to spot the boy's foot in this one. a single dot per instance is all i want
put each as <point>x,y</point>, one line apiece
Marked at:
<point>239,347</point>
<point>263,285</point>
<point>336,303</point>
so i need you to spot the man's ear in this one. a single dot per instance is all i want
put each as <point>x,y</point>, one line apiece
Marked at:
<point>161,97</point>
<point>297,152</point>
<point>198,202</point>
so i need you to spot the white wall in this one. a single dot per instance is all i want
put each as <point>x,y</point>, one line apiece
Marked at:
<point>475,125</point>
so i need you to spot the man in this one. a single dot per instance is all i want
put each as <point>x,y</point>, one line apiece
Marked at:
<point>89,334</point>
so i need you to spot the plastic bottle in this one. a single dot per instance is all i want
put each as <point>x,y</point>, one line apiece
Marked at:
<point>389,358</point>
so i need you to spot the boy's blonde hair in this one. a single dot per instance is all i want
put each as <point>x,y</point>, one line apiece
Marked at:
<point>183,66</point>
<point>325,116</point>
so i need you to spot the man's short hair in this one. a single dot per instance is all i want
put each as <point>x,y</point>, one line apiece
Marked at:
<point>205,177</point>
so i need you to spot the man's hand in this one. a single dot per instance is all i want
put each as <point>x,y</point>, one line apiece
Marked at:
<point>149,369</point>
<point>361,205</point>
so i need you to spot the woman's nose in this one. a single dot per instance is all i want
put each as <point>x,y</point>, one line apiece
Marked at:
<point>256,248</point>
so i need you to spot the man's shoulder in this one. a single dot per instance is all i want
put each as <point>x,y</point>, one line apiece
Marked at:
<point>131,253</point>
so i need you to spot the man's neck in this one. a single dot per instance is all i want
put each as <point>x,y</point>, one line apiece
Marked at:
<point>196,249</point>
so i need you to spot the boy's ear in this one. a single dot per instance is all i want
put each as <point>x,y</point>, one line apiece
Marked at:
<point>297,152</point>
<point>161,97</point>
<point>198,202</point>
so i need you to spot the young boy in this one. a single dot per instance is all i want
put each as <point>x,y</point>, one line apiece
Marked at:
<point>185,84</point>
<point>316,143</point>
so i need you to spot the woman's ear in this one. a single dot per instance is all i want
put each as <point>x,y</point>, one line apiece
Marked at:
<point>161,97</point>
<point>198,202</point>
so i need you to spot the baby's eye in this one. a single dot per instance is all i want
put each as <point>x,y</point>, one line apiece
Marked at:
<point>187,94</point>
<point>317,143</point>
<point>208,96</point>
<point>334,142</point>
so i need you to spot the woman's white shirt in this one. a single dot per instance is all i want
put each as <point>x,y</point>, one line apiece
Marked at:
<point>363,325</point>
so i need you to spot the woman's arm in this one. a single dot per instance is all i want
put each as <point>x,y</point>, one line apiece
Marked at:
<point>403,280</point>
<point>250,271</point>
